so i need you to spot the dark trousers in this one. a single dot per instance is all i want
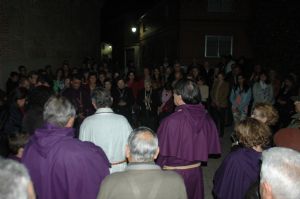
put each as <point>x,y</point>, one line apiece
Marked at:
<point>218,115</point>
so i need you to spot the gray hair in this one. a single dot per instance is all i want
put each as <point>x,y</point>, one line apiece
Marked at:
<point>58,110</point>
<point>14,180</point>
<point>142,148</point>
<point>281,170</point>
<point>102,98</point>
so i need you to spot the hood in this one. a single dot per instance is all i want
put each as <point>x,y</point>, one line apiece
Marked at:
<point>46,137</point>
<point>195,112</point>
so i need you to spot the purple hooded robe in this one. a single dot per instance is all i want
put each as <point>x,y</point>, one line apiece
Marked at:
<point>239,170</point>
<point>187,137</point>
<point>62,167</point>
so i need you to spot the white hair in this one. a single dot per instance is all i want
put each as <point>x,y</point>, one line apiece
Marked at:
<point>281,170</point>
<point>141,149</point>
<point>14,180</point>
<point>58,110</point>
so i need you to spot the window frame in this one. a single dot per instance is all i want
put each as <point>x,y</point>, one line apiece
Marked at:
<point>218,49</point>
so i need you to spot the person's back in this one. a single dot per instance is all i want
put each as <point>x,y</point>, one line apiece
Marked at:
<point>107,130</point>
<point>187,137</point>
<point>62,167</point>
<point>151,184</point>
<point>142,177</point>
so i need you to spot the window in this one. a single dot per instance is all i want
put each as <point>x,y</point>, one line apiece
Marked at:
<point>216,46</point>
<point>220,6</point>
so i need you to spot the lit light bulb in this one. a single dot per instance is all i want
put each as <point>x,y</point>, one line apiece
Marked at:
<point>133,29</point>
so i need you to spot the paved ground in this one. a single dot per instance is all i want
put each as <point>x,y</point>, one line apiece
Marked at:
<point>213,164</point>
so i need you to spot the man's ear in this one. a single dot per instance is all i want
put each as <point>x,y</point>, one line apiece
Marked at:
<point>94,104</point>
<point>156,154</point>
<point>70,122</point>
<point>265,191</point>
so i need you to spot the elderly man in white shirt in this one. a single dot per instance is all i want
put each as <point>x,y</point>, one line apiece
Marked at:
<point>107,130</point>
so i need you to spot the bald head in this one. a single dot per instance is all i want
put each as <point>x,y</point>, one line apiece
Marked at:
<point>142,145</point>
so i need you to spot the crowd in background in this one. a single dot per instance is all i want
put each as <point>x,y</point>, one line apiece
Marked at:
<point>231,91</point>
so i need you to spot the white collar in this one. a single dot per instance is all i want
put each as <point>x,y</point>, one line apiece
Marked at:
<point>104,110</point>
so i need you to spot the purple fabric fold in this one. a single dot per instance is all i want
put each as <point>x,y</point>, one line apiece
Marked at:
<point>62,167</point>
<point>239,170</point>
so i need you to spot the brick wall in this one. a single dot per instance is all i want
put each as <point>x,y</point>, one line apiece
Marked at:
<point>35,33</point>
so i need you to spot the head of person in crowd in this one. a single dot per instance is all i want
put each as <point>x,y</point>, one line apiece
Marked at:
<point>18,97</point>
<point>39,96</point>
<point>14,76</point>
<point>59,74</point>
<point>296,100</point>
<point>58,111</point>
<point>16,143</point>
<point>75,71</point>
<point>236,69</point>
<point>24,82</point>
<point>67,82</point>
<point>131,76</point>
<point>22,70</point>
<point>168,70</point>
<point>265,113</point>
<point>178,75</point>
<point>33,77</point>
<point>264,77</point>
<point>15,181</point>
<point>177,67</point>
<point>156,73</point>
<point>186,92</point>
<point>44,80</point>
<point>242,83</point>
<point>200,81</point>
<point>206,65</point>
<point>221,76</point>
<point>120,83</point>
<point>101,98</point>
<point>280,174</point>
<point>195,72</point>
<point>92,78</point>
<point>147,72</point>
<point>148,85</point>
<point>252,133</point>
<point>107,85</point>
<point>102,76</point>
<point>48,69</point>
<point>142,145</point>
<point>288,82</point>
<point>75,81</point>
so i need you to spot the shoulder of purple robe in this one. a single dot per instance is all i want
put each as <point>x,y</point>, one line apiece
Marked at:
<point>81,169</point>
<point>238,171</point>
<point>187,138</point>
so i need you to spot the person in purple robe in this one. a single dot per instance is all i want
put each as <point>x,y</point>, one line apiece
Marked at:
<point>187,137</point>
<point>240,169</point>
<point>61,166</point>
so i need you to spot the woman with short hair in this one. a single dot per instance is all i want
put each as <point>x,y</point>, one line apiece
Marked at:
<point>240,169</point>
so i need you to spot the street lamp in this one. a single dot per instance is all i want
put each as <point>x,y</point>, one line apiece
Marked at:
<point>133,29</point>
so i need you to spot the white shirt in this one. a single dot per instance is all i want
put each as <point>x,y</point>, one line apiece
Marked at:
<point>110,131</point>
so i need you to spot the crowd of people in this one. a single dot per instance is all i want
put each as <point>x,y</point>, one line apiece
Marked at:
<point>90,132</point>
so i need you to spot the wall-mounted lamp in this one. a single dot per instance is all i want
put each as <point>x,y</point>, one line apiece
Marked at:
<point>133,29</point>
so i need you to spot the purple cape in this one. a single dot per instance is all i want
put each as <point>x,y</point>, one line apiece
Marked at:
<point>239,170</point>
<point>62,167</point>
<point>186,137</point>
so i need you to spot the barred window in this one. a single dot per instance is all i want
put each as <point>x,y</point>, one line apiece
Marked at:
<point>216,45</point>
<point>220,6</point>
